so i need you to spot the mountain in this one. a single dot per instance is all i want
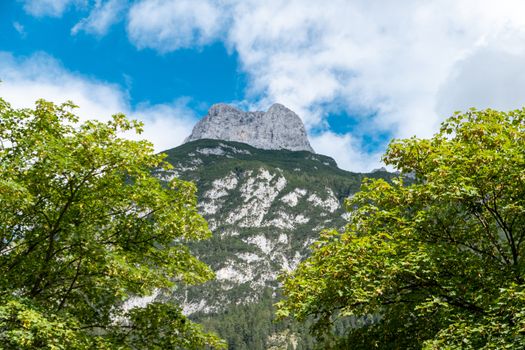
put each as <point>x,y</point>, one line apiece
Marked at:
<point>278,128</point>
<point>266,196</point>
<point>265,207</point>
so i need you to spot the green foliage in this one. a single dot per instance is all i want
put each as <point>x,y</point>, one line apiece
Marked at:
<point>83,227</point>
<point>252,326</point>
<point>439,263</point>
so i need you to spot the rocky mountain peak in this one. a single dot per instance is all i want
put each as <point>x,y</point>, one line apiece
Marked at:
<point>221,108</point>
<point>277,128</point>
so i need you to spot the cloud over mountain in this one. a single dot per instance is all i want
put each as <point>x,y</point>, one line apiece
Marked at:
<point>396,68</point>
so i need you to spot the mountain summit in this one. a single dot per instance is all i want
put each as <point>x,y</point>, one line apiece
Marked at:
<point>278,128</point>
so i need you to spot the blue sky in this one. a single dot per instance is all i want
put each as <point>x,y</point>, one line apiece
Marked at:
<point>357,72</point>
<point>207,75</point>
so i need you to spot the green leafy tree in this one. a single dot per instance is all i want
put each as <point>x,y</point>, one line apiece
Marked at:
<point>84,226</point>
<point>434,259</point>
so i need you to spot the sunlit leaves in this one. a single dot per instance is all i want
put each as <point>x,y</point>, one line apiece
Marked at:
<point>437,255</point>
<point>83,226</point>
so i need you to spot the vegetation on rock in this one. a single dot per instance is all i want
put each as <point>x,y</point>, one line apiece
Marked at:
<point>239,306</point>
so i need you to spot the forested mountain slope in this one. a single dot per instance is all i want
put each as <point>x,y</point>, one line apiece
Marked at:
<point>265,207</point>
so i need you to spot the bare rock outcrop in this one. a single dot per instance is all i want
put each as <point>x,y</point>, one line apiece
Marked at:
<point>278,128</point>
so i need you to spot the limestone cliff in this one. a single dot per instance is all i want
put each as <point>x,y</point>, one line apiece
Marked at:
<point>278,128</point>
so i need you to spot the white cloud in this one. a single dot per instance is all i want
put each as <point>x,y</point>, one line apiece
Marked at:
<point>348,154</point>
<point>485,79</point>
<point>101,18</point>
<point>20,29</point>
<point>401,66</point>
<point>167,25</point>
<point>398,67</point>
<point>41,76</point>
<point>52,8</point>
<point>166,125</point>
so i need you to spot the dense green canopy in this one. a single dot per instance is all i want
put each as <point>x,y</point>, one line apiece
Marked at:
<point>84,226</point>
<point>434,259</point>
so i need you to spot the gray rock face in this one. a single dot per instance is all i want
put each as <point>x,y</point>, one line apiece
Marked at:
<point>278,128</point>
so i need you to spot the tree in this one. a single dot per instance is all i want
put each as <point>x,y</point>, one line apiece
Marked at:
<point>83,227</point>
<point>434,259</point>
